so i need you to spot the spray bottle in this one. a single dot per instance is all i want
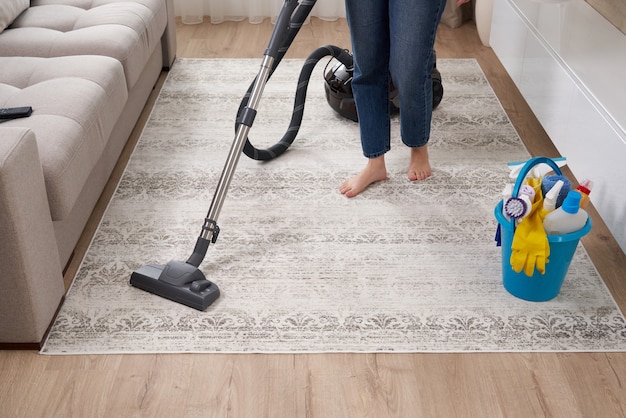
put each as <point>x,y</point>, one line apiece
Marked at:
<point>549,200</point>
<point>567,218</point>
<point>585,189</point>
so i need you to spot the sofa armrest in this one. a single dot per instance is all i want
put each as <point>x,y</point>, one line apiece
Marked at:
<point>31,279</point>
<point>168,41</point>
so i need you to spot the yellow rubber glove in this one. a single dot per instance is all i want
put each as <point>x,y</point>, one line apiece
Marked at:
<point>530,248</point>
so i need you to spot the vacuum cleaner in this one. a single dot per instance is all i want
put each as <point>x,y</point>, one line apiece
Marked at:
<point>338,89</point>
<point>182,281</point>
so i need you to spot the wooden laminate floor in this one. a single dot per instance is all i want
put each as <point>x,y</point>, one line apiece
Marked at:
<point>328,385</point>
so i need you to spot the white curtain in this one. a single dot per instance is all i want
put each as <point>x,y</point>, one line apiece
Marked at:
<point>192,11</point>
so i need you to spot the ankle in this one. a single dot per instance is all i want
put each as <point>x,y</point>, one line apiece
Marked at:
<point>376,164</point>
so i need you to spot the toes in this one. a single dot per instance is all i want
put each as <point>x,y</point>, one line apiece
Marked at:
<point>347,191</point>
<point>419,175</point>
<point>349,188</point>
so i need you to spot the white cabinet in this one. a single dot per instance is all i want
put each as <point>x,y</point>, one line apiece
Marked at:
<point>570,65</point>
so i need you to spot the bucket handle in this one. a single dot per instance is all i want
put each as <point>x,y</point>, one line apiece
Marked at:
<point>526,169</point>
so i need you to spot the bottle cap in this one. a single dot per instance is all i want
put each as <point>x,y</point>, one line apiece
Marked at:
<point>585,186</point>
<point>571,204</point>
<point>528,191</point>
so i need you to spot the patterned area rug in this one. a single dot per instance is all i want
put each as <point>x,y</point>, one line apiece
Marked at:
<point>404,267</point>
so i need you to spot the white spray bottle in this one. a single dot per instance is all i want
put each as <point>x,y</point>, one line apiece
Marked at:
<point>549,200</point>
<point>567,218</point>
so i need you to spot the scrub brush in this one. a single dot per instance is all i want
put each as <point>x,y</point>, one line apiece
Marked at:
<point>517,207</point>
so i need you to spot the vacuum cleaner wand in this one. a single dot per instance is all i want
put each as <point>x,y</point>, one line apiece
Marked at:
<point>183,282</point>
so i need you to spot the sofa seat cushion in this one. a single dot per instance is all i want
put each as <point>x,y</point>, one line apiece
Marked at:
<point>76,102</point>
<point>127,30</point>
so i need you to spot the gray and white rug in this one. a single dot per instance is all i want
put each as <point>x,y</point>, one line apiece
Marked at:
<point>404,267</point>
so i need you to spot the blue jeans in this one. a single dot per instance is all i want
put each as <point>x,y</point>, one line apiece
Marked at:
<point>393,38</point>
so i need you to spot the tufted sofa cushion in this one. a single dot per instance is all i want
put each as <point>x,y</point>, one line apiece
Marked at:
<point>76,102</point>
<point>128,31</point>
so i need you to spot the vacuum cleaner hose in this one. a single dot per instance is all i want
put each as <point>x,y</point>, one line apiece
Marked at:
<point>281,146</point>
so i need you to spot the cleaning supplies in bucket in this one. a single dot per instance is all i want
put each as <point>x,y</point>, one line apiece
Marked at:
<point>534,262</point>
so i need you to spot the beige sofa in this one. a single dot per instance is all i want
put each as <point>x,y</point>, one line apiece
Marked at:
<point>87,68</point>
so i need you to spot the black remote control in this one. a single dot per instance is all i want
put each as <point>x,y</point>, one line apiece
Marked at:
<point>15,112</point>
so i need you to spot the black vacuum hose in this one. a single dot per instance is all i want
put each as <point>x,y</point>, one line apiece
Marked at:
<point>281,146</point>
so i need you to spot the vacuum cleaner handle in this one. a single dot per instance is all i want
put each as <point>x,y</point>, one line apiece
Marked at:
<point>281,28</point>
<point>292,22</point>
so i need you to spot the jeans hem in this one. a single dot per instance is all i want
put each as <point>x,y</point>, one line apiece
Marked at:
<point>420,145</point>
<point>376,154</point>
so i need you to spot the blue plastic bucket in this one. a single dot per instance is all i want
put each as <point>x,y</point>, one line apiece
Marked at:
<point>539,287</point>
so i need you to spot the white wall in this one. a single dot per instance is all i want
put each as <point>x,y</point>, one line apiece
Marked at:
<point>569,63</point>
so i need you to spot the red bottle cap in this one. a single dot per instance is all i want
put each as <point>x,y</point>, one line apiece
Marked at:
<point>585,187</point>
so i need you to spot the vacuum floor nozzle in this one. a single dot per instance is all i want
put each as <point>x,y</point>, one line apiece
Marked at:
<point>177,281</point>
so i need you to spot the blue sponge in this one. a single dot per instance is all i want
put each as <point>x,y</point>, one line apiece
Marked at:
<point>549,181</point>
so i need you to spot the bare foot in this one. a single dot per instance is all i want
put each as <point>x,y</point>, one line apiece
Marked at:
<point>374,171</point>
<point>419,168</point>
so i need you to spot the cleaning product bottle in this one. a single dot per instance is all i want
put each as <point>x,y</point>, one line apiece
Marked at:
<point>569,217</point>
<point>585,189</point>
<point>550,198</point>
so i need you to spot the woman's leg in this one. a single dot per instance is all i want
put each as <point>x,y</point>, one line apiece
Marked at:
<point>413,26</point>
<point>369,31</point>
